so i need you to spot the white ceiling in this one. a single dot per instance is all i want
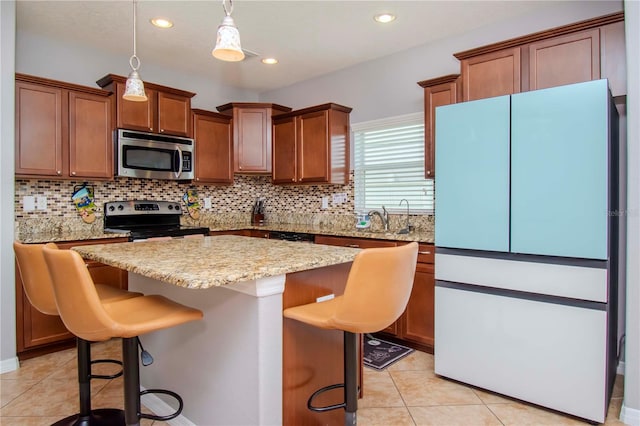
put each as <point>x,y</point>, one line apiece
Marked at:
<point>309,38</point>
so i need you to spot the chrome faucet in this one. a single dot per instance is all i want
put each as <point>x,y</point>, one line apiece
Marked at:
<point>407,229</point>
<point>384,217</point>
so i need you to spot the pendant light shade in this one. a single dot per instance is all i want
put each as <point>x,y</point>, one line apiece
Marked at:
<point>228,38</point>
<point>134,88</point>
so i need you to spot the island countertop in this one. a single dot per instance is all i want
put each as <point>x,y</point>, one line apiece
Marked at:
<point>200,263</point>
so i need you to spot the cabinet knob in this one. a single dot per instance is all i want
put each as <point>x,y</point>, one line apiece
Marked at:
<point>59,172</point>
<point>161,130</point>
<point>424,252</point>
<point>428,172</point>
<point>73,173</point>
<point>151,129</point>
<point>197,178</point>
<point>293,179</point>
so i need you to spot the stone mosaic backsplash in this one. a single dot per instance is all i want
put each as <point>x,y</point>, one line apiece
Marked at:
<point>230,203</point>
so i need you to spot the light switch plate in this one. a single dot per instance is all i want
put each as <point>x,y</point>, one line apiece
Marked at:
<point>207,203</point>
<point>28,203</point>
<point>325,203</point>
<point>41,202</point>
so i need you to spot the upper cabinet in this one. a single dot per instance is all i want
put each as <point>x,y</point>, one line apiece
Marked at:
<point>252,134</point>
<point>575,53</point>
<point>167,110</point>
<point>62,130</point>
<point>311,145</point>
<point>437,92</point>
<point>214,147</point>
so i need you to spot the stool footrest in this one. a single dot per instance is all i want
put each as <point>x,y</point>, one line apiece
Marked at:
<point>328,407</point>
<point>105,376</point>
<point>169,416</point>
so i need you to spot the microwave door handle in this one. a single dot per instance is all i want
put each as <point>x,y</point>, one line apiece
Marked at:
<point>179,155</point>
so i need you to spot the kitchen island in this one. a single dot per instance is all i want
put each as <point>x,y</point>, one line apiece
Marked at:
<point>241,365</point>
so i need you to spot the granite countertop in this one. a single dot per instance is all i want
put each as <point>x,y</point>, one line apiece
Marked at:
<point>215,261</point>
<point>31,236</point>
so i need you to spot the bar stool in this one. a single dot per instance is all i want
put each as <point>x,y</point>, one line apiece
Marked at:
<point>86,316</point>
<point>377,291</point>
<point>38,288</point>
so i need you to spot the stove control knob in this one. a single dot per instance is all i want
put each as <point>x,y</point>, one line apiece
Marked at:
<point>170,206</point>
<point>177,207</point>
<point>111,208</point>
<point>120,207</point>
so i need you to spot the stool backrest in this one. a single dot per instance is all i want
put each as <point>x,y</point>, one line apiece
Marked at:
<point>78,302</point>
<point>378,288</point>
<point>36,280</point>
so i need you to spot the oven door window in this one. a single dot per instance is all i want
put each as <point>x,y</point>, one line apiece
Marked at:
<point>156,159</point>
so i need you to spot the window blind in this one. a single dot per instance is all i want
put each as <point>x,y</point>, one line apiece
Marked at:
<point>389,165</point>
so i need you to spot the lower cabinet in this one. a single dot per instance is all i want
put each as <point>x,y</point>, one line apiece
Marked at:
<point>36,333</point>
<point>415,327</point>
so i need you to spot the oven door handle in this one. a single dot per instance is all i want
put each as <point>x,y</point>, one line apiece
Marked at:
<point>179,165</point>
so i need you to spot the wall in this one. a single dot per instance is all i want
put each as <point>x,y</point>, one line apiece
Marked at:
<point>631,405</point>
<point>78,64</point>
<point>386,87</point>
<point>8,360</point>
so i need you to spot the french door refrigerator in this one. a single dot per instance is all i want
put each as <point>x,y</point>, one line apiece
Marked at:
<point>526,246</point>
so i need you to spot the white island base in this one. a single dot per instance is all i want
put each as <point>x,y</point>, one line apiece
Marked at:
<point>228,367</point>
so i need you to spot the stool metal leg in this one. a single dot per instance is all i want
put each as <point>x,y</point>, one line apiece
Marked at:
<point>131,381</point>
<point>350,378</point>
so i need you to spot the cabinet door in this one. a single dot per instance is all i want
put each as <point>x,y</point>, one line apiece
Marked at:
<point>136,115</point>
<point>362,243</point>
<point>313,147</point>
<point>284,150</point>
<point>40,129</point>
<point>472,155</point>
<point>559,172</point>
<point>252,136</point>
<point>568,59</point>
<point>418,317</point>
<point>90,138</point>
<point>613,58</point>
<point>174,114</point>
<point>213,146</point>
<point>491,74</point>
<point>435,96</point>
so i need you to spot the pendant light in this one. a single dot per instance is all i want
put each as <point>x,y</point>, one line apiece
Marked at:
<point>134,89</point>
<point>228,38</point>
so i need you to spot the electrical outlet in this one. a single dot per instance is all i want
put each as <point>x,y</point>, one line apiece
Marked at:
<point>339,198</point>
<point>28,203</point>
<point>207,203</point>
<point>41,202</point>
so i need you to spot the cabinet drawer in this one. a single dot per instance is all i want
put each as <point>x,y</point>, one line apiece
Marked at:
<point>426,253</point>
<point>353,242</point>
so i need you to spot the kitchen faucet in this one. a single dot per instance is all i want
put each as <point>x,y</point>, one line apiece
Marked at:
<point>384,217</point>
<point>407,229</point>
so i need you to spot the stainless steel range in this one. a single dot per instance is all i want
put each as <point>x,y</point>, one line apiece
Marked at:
<point>145,219</point>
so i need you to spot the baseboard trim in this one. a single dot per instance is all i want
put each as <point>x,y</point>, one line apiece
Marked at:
<point>161,408</point>
<point>620,369</point>
<point>7,365</point>
<point>630,416</point>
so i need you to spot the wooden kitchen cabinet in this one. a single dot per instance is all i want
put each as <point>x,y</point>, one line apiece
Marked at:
<point>572,58</point>
<point>252,141</point>
<point>437,92</point>
<point>214,147</point>
<point>311,145</point>
<point>491,74</point>
<point>167,110</point>
<point>574,53</point>
<point>62,130</point>
<point>37,333</point>
<point>362,243</point>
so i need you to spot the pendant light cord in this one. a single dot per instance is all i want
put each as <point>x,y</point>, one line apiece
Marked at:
<point>135,56</point>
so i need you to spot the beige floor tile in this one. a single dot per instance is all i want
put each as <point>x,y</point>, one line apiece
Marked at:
<point>48,398</point>
<point>414,361</point>
<point>454,415</point>
<point>613,414</point>
<point>492,398</point>
<point>111,349</point>
<point>11,389</point>
<point>618,387</point>
<point>384,417</point>
<point>42,367</point>
<point>420,388</point>
<point>29,421</point>
<point>379,391</point>
<point>519,414</point>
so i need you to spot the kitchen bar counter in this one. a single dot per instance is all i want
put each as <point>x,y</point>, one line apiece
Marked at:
<point>215,261</point>
<point>243,364</point>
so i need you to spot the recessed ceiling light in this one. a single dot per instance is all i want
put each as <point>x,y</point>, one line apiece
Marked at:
<point>270,61</point>
<point>384,18</point>
<point>162,22</point>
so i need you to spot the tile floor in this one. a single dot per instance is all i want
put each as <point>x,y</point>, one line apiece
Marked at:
<point>44,390</point>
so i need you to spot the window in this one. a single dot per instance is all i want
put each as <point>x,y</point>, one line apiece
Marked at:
<point>389,165</point>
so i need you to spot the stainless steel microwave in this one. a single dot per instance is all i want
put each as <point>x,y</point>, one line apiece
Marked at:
<point>153,156</point>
